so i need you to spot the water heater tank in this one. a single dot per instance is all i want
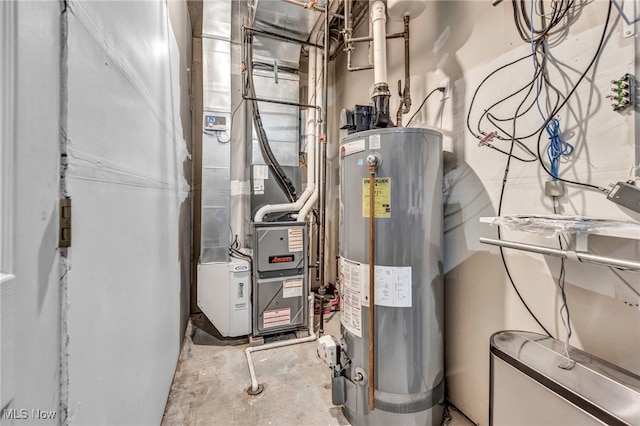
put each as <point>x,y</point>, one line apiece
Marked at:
<point>398,9</point>
<point>409,374</point>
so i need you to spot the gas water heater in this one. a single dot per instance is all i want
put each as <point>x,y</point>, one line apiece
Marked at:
<point>408,371</point>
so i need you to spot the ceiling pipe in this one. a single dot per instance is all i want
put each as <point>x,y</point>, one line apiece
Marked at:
<point>379,21</point>
<point>380,95</point>
<point>313,6</point>
<point>405,94</point>
<point>349,40</point>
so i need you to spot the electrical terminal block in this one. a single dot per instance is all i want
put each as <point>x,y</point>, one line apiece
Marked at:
<point>624,92</point>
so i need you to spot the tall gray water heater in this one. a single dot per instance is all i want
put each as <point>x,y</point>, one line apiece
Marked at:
<point>409,370</point>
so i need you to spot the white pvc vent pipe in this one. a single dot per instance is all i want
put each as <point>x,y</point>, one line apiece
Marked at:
<point>311,337</point>
<point>313,81</point>
<point>379,21</point>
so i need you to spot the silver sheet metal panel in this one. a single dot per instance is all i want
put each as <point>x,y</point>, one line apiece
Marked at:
<point>285,19</point>
<point>593,392</point>
<point>282,126</point>
<point>216,72</point>
<point>216,75</point>
<point>409,288</point>
<point>280,285</point>
<point>216,18</point>
<point>281,122</point>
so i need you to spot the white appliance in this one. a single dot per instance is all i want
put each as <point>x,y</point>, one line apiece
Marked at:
<point>224,296</point>
<point>528,387</point>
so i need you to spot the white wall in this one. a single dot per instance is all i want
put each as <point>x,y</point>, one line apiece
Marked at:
<point>34,355</point>
<point>464,41</point>
<point>128,140</point>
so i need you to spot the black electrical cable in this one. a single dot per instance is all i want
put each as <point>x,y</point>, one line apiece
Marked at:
<point>475,93</point>
<point>540,67</point>
<point>283,181</point>
<point>494,119</point>
<point>566,320</point>
<point>440,89</point>
<point>534,157</point>
<point>561,10</point>
<point>523,88</point>
<point>564,102</point>
<point>504,260</point>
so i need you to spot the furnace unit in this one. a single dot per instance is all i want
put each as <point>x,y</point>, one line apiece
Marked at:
<point>280,277</point>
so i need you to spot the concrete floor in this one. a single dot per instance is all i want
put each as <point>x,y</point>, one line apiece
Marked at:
<point>209,387</point>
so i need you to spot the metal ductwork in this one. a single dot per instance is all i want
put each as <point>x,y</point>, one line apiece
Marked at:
<point>216,115</point>
<point>277,30</point>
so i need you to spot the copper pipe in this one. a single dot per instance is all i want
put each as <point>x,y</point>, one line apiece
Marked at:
<point>372,268</point>
<point>400,105</point>
<point>406,93</point>
<point>370,38</point>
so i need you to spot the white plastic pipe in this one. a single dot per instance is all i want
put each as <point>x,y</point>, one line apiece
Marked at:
<point>312,83</point>
<point>379,21</point>
<point>249,350</point>
<point>319,101</point>
<point>287,207</point>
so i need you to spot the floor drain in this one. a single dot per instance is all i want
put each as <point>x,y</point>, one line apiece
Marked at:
<point>255,392</point>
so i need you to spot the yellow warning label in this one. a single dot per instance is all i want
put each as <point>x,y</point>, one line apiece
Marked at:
<point>382,198</point>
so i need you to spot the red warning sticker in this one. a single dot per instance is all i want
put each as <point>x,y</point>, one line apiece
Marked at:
<point>276,317</point>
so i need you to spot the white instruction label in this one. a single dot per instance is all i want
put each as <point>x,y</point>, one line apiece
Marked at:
<point>393,285</point>
<point>258,186</point>
<point>292,288</point>
<point>260,171</point>
<point>295,239</point>
<point>351,310</point>
<point>276,317</point>
<point>374,142</point>
<point>239,187</point>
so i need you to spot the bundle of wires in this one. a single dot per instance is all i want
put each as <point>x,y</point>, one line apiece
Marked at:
<point>234,251</point>
<point>553,26</point>
<point>557,22</point>
<point>558,147</point>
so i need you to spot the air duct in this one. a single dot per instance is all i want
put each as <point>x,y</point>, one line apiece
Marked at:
<point>216,98</point>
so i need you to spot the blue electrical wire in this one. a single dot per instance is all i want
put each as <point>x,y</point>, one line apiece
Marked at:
<point>558,147</point>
